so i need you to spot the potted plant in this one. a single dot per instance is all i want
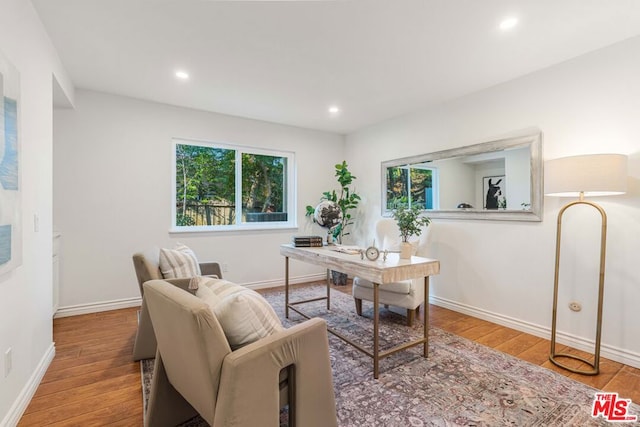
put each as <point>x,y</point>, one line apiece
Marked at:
<point>346,199</point>
<point>410,223</point>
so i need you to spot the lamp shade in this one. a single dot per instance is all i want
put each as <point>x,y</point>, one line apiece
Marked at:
<point>593,175</point>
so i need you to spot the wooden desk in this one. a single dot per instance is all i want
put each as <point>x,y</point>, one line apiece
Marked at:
<point>378,272</point>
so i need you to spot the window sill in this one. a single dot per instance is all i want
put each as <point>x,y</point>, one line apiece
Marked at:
<point>251,227</point>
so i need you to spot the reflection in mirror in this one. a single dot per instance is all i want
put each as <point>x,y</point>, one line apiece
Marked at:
<point>493,180</point>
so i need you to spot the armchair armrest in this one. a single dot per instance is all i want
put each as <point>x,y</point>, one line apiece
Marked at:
<point>210,268</point>
<point>250,376</point>
<point>145,344</point>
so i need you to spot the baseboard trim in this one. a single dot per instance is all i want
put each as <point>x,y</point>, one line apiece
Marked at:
<point>20,405</point>
<point>610,352</point>
<point>96,307</point>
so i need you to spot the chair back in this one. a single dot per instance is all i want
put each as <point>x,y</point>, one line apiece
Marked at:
<point>147,266</point>
<point>388,234</point>
<point>191,343</point>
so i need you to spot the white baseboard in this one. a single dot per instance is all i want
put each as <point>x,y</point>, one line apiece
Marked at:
<point>610,352</point>
<point>96,307</point>
<point>25,396</point>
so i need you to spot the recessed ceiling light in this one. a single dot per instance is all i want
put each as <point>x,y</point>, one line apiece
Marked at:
<point>334,110</point>
<point>508,23</point>
<point>182,75</point>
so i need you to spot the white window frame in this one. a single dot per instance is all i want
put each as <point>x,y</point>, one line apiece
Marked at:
<point>291,193</point>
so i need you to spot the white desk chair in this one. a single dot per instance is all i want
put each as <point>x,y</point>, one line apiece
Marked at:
<point>407,294</point>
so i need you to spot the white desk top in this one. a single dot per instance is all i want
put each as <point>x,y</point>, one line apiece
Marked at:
<point>393,269</point>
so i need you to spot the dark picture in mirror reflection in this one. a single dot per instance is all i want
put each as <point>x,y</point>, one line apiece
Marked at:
<point>494,192</point>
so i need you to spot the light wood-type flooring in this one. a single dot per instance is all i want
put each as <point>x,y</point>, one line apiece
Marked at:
<point>93,381</point>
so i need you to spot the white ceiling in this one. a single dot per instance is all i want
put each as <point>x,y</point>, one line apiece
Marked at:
<point>288,61</point>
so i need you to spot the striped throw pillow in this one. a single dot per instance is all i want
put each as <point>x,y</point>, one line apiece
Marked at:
<point>245,317</point>
<point>178,263</point>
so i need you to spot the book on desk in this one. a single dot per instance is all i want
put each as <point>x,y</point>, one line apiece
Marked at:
<point>307,241</point>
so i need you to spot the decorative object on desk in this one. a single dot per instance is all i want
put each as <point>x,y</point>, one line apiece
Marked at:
<point>465,206</point>
<point>346,200</point>
<point>307,241</point>
<point>372,253</point>
<point>410,223</point>
<point>587,175</point>
<point>328,215</point>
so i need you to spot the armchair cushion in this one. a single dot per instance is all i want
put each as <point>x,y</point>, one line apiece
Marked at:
<point>178,262</point>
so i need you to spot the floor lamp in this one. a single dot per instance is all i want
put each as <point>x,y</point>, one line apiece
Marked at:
<point>580,176</point>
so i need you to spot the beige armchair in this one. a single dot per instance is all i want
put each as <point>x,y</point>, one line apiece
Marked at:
<point>407,294</point>
<point>196,371</point>
<point>147,267</point>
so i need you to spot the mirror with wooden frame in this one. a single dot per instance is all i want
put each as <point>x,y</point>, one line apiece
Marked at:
<point>495,180</point>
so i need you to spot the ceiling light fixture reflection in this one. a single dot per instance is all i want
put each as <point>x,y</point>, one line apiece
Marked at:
<point>182,75</point>
<point>508,23</point>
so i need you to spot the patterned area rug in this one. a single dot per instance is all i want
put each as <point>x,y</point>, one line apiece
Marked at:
<point>461,383</point>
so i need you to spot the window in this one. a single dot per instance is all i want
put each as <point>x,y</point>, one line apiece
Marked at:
<point>226,187</point>
<point>412,185</point>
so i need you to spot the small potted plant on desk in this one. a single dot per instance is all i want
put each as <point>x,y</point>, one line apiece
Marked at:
<point>410,223</point>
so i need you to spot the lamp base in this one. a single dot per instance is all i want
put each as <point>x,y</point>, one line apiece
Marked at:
<point>595,369</point>
<point>595,365</point>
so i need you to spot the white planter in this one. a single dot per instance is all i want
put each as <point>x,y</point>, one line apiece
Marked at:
<point>405,250</point>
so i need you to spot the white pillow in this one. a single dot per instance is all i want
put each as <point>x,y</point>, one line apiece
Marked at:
<point>179,262</point>
<point>224,288</point>
<point>207,295</point>
<point>245,317</point>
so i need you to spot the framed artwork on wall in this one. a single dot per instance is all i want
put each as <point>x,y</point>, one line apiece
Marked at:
<point>10,182</point>
<point>493,190</point>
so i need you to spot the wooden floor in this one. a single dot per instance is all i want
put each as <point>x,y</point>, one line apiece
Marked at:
<point>93,381</point>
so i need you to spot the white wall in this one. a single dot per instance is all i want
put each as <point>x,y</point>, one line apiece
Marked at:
<point>112,193</point>
<point>504,270</point>
<point>25,293</point>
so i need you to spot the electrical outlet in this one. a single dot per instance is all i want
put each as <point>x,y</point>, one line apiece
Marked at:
<point>7,362</point>
<point>575,306</point>
<point>225,267</point>
<point>36,222</point>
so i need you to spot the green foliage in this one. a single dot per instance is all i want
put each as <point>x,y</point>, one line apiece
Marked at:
<point>262,183</point>
<point>184,220</point>
<point>346,198</point>
<point>409,221</point>
<point>206,184</point>
<point>407,183</point>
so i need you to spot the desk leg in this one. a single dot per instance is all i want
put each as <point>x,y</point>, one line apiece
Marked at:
<point>376,343</point>
<point>286,287</point>
<point>425,313</point>
<point>328,291</point>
